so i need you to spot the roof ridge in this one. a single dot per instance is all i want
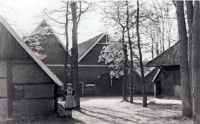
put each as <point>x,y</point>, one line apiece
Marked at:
<point>44,21</point>
<point>91,38</point>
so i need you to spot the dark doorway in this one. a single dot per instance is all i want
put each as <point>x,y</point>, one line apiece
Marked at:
<point>80,88</point>
<point>115,87</point>
<point>110,86</point>
<point>158,88</point>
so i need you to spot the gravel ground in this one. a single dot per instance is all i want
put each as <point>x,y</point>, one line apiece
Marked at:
<point>111,110</point>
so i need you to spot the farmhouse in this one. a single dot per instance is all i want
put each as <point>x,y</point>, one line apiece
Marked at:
<point>28,87</point>
<point>167,79</point>
<point>94,77</point>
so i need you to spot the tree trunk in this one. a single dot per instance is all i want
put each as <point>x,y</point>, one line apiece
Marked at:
<point>75,53</point>
<point>184,69</point>
<point>161,50</point>
<point>66,52</point>
<point>152,45</point>
<point>196,61</point>
<point>131,53</point>
<point>163,36</point>
<point>157,47</point>
<point>169,42</point>
<point>125,67</point>
<point>190,11</point>
<point>140,55</point>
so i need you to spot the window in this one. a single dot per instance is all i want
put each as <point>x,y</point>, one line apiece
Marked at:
<point>90,86</point>
<point>134,87</point>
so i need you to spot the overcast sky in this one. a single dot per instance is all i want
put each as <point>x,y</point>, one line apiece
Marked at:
<point>25,15</point>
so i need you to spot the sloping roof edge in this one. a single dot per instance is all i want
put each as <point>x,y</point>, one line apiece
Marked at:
<point>149,64</point>
<point>29,51</point>
<point>92,47</point>
<point>156,75</point>
<point>149,71</point>
<point>44,21</point>
<point>145,74</point>
<point>138,73</point>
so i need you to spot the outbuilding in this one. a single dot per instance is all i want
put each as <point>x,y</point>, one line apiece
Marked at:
<point>28,87</point>
<point>167,79</point>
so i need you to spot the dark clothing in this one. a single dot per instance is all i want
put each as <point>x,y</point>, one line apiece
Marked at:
<point>73,92</point>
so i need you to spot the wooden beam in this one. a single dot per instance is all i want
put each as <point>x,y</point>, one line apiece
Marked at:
<point>55,98</point>
<point>10,91</point>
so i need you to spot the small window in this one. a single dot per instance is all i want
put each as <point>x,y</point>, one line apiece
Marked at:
<point>134,87</point>
<point>90,86</point>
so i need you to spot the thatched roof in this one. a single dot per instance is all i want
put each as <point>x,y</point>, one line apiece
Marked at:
<point>170,57</point>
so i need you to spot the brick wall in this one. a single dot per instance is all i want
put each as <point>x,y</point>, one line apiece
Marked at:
<point>102,87</point>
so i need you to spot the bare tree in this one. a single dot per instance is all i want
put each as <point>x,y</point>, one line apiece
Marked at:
<point>140,56</point>
<point>190,11</point>
<point>70,18</point>
<point>131,52</point>
<point>75,52</point>
<point>116,15</point>
<point>67,45</point>
<point>184,69</point>
<point>159,25</point>
<point>195,61</point>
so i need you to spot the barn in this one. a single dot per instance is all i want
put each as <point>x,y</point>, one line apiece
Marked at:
<point>94,77</point>
<point>54,49</point>
<point>28,87</point>
<point>167,80</point>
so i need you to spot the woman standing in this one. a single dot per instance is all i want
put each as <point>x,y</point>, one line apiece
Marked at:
<point>70,103</point>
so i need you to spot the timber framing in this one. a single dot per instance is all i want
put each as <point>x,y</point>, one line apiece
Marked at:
<point>30,52</point>
<point>10,90</point>
<point>62,65</point>
<point>96,42</point>
<point>156,75</point>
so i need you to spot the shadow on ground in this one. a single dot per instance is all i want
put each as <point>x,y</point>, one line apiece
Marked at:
<point>105,119</point>
<point>48,120</point>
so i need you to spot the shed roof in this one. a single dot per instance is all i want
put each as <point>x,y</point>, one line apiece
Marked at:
<point>170,57</point>
<point>29,51</point>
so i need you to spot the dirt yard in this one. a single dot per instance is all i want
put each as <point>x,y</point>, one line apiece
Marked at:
<point>111,110</point>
